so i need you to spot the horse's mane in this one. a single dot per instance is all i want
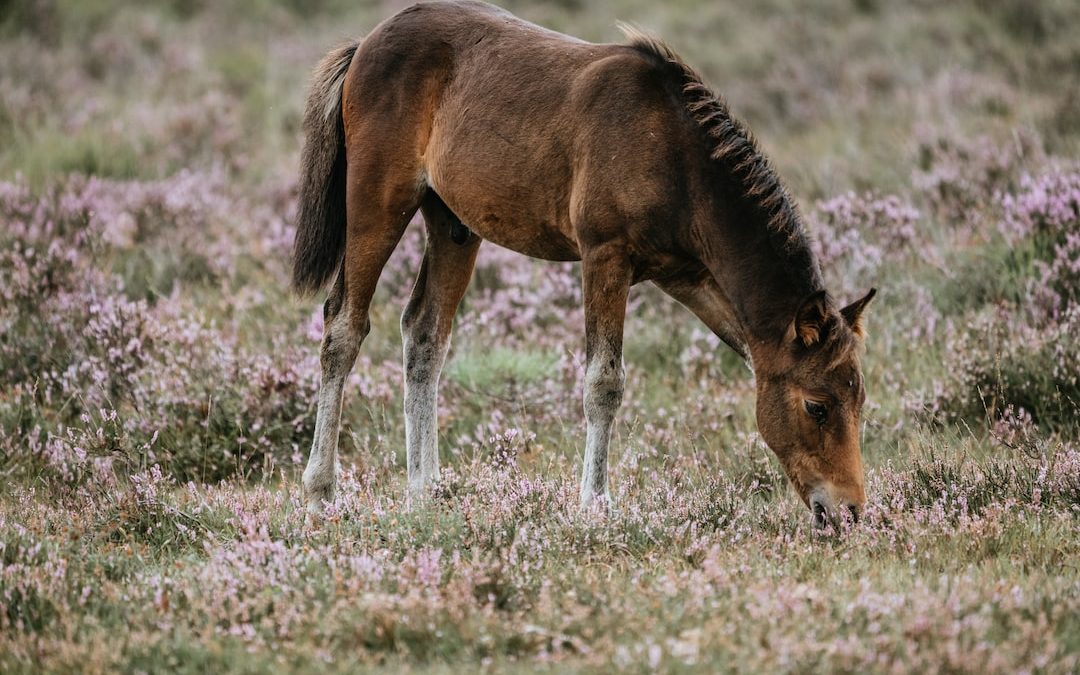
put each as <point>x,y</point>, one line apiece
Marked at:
<point>736,149</point>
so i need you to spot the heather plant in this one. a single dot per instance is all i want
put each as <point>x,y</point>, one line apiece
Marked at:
<point>39,270</point>
<point>1000,361</point>
<point>856,234</point>
<point>1058,286</point>
<point>1044,204</point>
<point>1020,355</point>
<point>1046,210</point>
<point>965,488</point>
<point>75,340</point>
<point>958,177</point>
<point>889,220</point>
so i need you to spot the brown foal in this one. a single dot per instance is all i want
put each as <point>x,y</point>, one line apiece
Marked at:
<point>616,155</point>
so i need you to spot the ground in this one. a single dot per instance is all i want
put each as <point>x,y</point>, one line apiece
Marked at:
<point>157,378</point>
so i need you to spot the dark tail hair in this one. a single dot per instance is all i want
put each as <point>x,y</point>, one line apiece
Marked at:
<point>320,223</point>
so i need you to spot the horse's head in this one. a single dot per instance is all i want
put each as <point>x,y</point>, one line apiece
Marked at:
<point>809,401</point>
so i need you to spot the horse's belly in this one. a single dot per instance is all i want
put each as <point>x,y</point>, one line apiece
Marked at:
<point>527,233</point>
<point>529,216</point>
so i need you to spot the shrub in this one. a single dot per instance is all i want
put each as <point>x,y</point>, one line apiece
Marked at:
<point>960,486</point>
<point>1046,210</point>
<point>107,372</point>
<point>1001,362</point>
<point>1023,356</point>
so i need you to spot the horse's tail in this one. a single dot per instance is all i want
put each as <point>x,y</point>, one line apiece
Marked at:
<point>320,224</point>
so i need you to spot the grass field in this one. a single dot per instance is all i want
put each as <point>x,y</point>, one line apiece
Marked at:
<point>157,380</point>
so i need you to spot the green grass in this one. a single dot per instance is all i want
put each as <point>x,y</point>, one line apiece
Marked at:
<point>41,154</point>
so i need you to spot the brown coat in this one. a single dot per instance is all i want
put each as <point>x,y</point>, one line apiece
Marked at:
<point>614,154</point>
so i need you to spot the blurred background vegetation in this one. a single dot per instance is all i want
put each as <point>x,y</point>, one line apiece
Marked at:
<point>844,93</point>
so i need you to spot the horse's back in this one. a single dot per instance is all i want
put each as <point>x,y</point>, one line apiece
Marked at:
<point>510,120</point>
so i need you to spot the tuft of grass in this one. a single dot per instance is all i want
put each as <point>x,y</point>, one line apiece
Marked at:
<point>41,154</point>
<point>500,371</point>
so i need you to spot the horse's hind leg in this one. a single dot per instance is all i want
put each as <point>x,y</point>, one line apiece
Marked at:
<point>378,209</point>
<point>425,330</point>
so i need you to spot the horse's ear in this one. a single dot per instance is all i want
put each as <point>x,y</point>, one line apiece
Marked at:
<point>809,322</point>
<point>853,313</point>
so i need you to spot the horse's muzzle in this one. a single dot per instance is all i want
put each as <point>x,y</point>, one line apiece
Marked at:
<point>825,513</point>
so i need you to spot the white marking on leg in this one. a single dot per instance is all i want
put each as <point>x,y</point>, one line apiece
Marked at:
<point>424,352</point>
<point>340,347</point>
<point>603,396</point>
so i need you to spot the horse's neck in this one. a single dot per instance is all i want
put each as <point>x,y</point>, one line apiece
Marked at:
<point>763,282</point>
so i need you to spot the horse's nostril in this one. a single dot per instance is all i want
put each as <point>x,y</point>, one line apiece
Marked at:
<point>820,515</point>
<point>854,511</point>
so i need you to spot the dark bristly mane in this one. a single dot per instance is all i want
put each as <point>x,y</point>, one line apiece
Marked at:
<point>737,150</point>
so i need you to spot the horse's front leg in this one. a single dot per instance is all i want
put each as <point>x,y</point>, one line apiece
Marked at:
<point>606,280</point>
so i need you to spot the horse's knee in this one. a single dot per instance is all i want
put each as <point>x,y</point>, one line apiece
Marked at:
<point>603,391</point>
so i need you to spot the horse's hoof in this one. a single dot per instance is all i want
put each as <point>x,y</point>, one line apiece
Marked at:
<point>601,505</point>
<point>315,508</point>
<point>316,499</point>
<point>418,494</point>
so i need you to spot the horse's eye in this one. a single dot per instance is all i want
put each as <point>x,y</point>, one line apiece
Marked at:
<point>817,411</point>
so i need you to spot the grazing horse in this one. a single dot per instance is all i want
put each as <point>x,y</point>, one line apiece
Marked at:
<point>616,155</point>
